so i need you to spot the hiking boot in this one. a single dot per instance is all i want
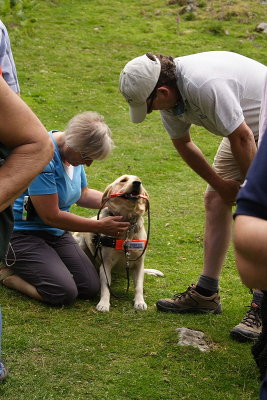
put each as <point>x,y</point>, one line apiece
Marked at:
<point>250,327</point>
<point>191,301</point>
<point>3,370</point>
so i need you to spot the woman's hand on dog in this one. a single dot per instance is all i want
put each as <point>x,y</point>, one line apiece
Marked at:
<point>112,226</point>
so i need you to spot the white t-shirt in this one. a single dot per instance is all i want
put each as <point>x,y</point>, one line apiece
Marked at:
<point>220,90</point>
<point>263,113</point>
<point>7,61</point>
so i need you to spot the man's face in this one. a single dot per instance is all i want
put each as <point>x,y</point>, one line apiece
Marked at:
<point>163,99</point>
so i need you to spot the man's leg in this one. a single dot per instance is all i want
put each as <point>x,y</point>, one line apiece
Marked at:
<point>204,298</point>
<point>250,238</point>
<point>218,229</point>
<point>249,328</point>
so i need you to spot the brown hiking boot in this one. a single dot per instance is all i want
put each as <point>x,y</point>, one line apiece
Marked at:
<point>249,328</point>
<point>191,301</point>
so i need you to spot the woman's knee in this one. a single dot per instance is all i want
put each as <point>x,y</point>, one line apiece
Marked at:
<point>88,290</point>
<point>59,294</point>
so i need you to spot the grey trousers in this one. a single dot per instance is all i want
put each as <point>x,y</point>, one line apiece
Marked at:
<point>56,266</point>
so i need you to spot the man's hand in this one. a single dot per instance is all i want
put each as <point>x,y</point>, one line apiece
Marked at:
<point>243,147</point>
<point>228,190</point>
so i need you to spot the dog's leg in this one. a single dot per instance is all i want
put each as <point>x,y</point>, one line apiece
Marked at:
<point>104,303</point>
<point>78,236</point>
<point>138,275</point>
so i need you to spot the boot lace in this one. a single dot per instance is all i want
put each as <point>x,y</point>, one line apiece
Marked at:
<point>252,317</point>
<point>184,294</point>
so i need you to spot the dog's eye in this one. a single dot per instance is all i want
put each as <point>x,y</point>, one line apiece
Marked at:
<point>124,180</point>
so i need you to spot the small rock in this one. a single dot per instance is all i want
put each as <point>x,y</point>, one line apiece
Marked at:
<point>190,337</point>
<point>262,27</point>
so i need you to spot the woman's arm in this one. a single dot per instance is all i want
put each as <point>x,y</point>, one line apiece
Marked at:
<point>47,208</point>
<point>90,198</point>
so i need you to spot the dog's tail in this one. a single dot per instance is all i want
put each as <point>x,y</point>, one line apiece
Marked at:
<point>154,272</point>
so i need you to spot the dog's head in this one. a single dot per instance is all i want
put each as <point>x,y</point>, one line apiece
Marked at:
<point>126,196</point>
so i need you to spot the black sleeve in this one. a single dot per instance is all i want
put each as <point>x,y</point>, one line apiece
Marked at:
<point>252,197</point>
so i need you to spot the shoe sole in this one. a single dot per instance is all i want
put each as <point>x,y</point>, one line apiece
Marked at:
<point>217,310</point>
<point>242,337</point>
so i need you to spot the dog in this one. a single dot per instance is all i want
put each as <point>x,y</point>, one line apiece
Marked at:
<point>127,197</point>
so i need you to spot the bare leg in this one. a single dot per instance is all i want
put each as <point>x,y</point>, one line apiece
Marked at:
<point>17,283</point>
<point>218,230</point>
<point>251,254</point>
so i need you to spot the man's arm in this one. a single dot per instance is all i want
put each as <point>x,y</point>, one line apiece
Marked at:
<point>193,156</point>
<point>30,145</point>
<point>243,146</point>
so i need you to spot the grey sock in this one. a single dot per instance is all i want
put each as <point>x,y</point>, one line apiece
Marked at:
<point>208,283</point>
<point>257,298</point>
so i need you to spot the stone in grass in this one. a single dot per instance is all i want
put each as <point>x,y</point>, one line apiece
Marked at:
<point>262,27</point>
<point>190,337</point>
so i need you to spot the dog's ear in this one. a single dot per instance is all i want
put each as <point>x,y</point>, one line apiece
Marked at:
<point>106,194</point>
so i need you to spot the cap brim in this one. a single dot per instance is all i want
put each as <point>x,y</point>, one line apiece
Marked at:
<point>138,113</point>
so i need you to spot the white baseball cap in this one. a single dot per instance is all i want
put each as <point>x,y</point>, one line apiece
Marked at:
<point>137,81</point>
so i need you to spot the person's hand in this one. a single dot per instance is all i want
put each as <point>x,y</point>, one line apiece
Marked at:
<point>228,190</point>
<point>112,226</point>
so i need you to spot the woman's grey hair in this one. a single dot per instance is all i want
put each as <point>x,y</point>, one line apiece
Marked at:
<point>87,133</point>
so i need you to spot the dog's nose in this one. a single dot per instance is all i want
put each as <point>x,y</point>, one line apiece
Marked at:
<point>136,184</point>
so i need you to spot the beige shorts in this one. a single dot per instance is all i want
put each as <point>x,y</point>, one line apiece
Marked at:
<point>225,164</point>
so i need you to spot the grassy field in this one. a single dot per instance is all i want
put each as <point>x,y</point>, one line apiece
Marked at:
<point>69,54</point>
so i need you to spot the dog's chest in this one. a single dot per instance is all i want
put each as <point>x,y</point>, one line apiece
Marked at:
<point>126,252</point>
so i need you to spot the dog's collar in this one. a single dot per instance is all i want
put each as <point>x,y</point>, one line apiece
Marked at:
<point>119,244</point>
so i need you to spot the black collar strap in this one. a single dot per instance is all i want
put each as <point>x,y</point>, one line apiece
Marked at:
<point>119,244</point>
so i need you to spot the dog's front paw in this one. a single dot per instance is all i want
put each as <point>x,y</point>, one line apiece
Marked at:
<point>141,305</point>
<point>103,307</point>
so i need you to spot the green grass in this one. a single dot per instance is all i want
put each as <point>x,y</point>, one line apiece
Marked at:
<point>69,54</point>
